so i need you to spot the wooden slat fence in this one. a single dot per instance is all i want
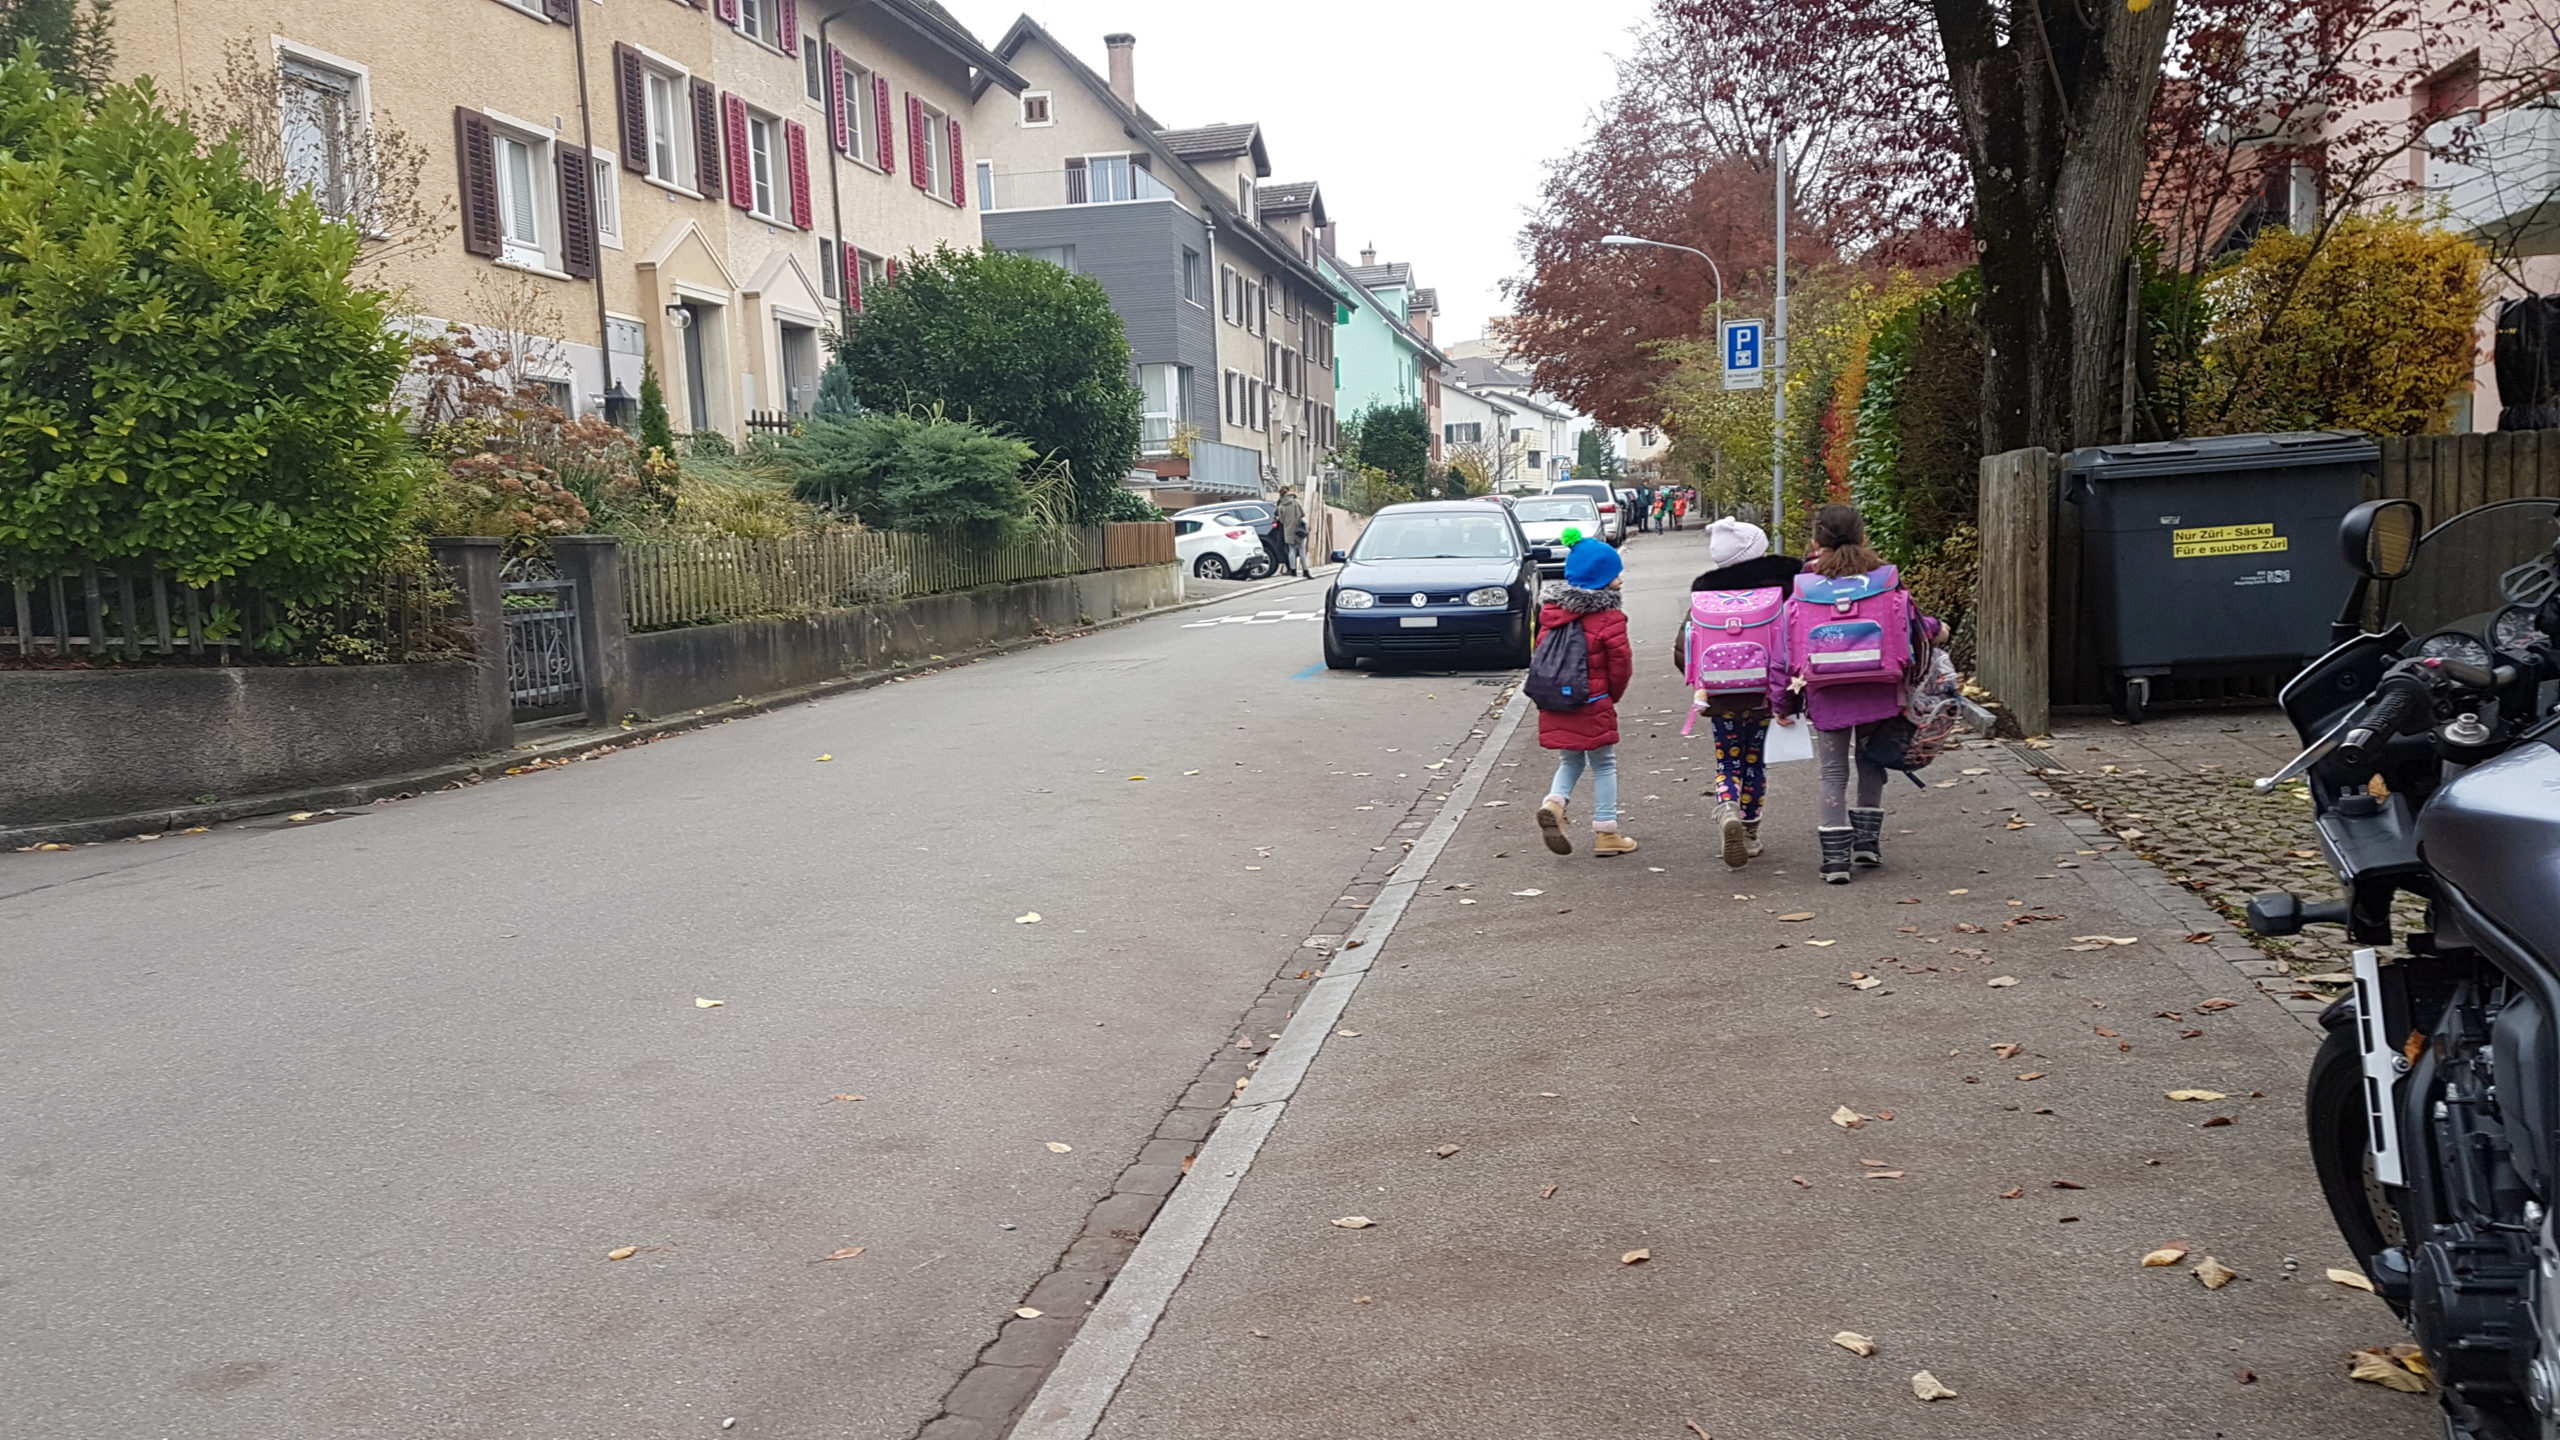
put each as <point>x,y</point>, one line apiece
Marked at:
<point>669,584</point>
<point>2448,474</point>
<point>1144,542</point>
<point>98,613</point>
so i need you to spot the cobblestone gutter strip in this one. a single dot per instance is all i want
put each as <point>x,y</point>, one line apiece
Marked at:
<point>993,1393</point>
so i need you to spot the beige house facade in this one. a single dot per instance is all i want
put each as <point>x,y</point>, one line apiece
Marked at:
<point>700,186</point>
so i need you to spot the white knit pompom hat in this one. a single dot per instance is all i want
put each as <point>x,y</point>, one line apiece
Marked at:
<point>1731,541</point>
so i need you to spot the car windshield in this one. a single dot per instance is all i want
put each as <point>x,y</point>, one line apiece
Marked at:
<point>1558,507</point>
<point>1436,537</point>
<point>2466,568</point>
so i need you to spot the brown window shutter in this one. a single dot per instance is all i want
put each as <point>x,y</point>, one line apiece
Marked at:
<point>479,182</point>
<point>577,212</point>
<point>631,83</point>
<point>560,11</point>
<point>708,156</point>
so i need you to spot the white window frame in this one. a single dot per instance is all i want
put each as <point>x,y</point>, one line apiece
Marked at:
<point>765,182</point>
<point>1169,418</point>
<point>359,138</point>
<point>1125,167</point>
<point>874,269</point>
<point>531,8</point>
<point>986,184</point>
<point>604,194</point>
<point>543,255</point>
<point>1048,110</point>
<point>1190,277</point>
<point>758,21</point>
<point>656,71</point>
<point>937,153</point>
<point>830,269</point>
<point>862,119</point>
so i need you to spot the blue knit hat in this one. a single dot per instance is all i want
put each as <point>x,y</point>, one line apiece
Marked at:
<point>1591,565</point>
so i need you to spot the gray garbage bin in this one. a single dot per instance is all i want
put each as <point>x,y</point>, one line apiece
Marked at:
<point>2214,556</point>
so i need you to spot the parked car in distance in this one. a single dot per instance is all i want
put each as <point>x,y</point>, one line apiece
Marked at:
<point>1219,546</point>
<point>1451,581</point>
<point>1545,518</point>
<point>1613,516</point>
<point>1262,515</point>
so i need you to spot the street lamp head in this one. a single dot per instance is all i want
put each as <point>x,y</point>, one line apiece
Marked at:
<point>1619,241</point>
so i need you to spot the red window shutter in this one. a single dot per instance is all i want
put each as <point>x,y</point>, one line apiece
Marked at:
<point>959,170</point>
<point>888,132</point>
<point>893,269</point>
<point>631,86</point>
<point>852,274</point>
<point>795,145</point>
<point>479,180</point>
<point>742,177</point>
<point>839,104</point>
<point>727,10</point>
<point>789,27</point>
<point>706,140</point>
<point>919,157</point>
<point>577,212</point>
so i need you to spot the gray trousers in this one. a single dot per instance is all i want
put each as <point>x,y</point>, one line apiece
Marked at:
<point>1836,751</point>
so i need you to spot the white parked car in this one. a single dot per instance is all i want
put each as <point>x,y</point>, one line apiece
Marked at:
<point>1545,518</point>
<point>1219,547</point>
<point>1613,516</point>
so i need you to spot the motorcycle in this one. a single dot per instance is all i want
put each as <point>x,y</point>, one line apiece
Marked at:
<point>2431,753</point>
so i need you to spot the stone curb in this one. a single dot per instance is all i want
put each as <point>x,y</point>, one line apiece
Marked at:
<point>543,753</point>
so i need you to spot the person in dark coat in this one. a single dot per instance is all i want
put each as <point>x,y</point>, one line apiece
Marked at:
<point>1739,559</point>
<point>1588,734</point>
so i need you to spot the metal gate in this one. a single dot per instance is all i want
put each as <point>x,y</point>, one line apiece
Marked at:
<point>546,673</point>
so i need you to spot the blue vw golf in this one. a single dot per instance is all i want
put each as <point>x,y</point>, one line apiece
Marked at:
<point>1445,581</point>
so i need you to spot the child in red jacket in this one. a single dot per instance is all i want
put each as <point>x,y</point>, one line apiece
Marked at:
<point>1588,734</point>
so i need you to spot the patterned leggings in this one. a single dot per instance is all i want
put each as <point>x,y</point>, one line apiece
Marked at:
<point>1740,775</point>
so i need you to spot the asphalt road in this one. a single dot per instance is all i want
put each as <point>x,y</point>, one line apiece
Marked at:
<point>328,1128</point>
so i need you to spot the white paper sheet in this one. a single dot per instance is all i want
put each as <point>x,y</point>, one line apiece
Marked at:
<point>1788,742</point>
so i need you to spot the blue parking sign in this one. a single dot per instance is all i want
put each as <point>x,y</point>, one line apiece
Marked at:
<point>1742,350</point>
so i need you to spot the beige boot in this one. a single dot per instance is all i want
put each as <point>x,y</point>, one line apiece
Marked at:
<point>1605,843</point>
<point>1735,834</point>
<point>1551,821</point>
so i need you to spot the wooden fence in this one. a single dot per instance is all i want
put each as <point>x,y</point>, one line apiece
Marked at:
<point>93,613</point>
<point>669,584</point>
<point>2032,632</point>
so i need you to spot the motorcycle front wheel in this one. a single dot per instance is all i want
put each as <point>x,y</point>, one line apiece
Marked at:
<point>2342,1148</point>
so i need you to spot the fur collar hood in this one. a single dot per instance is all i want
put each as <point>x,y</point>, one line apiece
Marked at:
<point>1578,602</point>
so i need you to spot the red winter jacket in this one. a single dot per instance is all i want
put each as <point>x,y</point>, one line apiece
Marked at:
<point>1613,665</point>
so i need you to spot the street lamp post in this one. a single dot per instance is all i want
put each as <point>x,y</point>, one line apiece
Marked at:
<point>1620,242</point>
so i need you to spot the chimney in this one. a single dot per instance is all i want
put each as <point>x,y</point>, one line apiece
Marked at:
<point>1328,237</point>
<point>1369,254</point>
<point>1124,68</point>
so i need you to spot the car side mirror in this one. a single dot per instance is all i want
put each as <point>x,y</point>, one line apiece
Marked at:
<point>1339,557</point>
<point>1542,553</point>
<point>2379,538</point>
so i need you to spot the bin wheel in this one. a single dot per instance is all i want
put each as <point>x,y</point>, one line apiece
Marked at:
<point>2137,697</point>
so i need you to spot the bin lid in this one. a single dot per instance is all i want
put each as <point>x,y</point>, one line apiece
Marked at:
<point>2206,454</point>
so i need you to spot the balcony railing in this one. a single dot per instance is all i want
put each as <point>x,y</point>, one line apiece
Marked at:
<point>1091,185</point>
<point>2500,176</point>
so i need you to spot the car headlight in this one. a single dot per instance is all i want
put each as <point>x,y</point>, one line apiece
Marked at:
<point>1353,599</point>
<point>1490,597</point>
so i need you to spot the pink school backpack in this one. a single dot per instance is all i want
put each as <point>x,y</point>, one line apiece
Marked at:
<point>1852,631</point>
<point>1733,650</point>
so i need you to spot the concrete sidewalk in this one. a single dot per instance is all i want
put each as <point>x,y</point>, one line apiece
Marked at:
<point>1641,1054</point>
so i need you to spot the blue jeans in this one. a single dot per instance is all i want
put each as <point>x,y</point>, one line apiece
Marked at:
<point>1603,764</point>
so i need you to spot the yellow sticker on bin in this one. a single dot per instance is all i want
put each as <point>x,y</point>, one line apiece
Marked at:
<point>2224,540</point>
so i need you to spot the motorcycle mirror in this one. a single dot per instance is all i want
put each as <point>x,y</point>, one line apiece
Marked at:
<point>2379,538</point>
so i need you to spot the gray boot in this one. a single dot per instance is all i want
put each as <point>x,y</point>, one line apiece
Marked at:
<point>1835,854</point>
<point>1751,839</point>
<point>1866,847</point>
<point>1735,834</point>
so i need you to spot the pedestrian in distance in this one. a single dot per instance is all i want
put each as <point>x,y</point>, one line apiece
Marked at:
<point>1275,541</point>
<point>1679,509</point>
<point>1732,652</point>
<point>1852,633</point>
<point>1578,702</point>
<point>1293,532</point>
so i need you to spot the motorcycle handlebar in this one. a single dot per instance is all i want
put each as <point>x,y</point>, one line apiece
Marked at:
<point>2399,705</point>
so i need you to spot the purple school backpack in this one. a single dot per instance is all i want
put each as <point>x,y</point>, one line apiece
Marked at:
<point>1733,649</point>
<point>1855,630</point>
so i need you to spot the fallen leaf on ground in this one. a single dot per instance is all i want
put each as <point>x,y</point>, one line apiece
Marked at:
<point>2103,1030</point>
<point>1549,1193</point>
<point>1137,777</point>
<point>1960,891</point>
<point>1060,1147</point>
<point>841,1096</point>
<point>846,1253</point>
<point>1635,1257</point>
<point>1847,1119</point>
<point>2069,1185</point>
<point>1863,982</point>
<point>2013,1192</point>
<point>624,1253</point>
<point>1929,1387</point>
<point>2195,1094</point>
<point>1997,982</point>
<point>1355,1222</point>
<point>2214,1273</point>
<point>2165,1255</point>
<point>1027,1313</point>
<point>2006,1051</point>
<point>1348,1034</point>
<point>1445,1151</point>
<point>1528,893</point>
<point>2032,1075</point>
<point>1884,1174</point>
<point>701,1004</point>
<point>2352,1279</point>
<point>1797,915</point>
<point>1855,1343</point>
<point>1801,1181</point>
<point>1702,1431</point>
<point>2201,937</point>
<point>2108,939</point>
<point>2245,1376</point>
<point>1822,942</point>
<point>2216,1123</point>
<point>2377,1367</point>
<point>1031,919</point>
<point>2216,1003</point>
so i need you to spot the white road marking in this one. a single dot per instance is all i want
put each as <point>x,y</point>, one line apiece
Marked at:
<point>1259,617</point>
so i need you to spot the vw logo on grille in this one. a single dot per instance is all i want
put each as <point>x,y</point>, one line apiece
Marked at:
<point>1421,599</point>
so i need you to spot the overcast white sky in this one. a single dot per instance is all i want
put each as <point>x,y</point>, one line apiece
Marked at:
<point>1428,122</point>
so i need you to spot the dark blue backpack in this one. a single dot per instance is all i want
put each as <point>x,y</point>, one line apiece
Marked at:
<point>1560,669</point>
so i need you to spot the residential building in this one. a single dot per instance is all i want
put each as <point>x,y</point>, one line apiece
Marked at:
<point>1545,427</point>
<point>1648,450</point>
<point>1478,425</point>
<point>1230,322</point>
<point>1386,358</point>
<point>704,186</point>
